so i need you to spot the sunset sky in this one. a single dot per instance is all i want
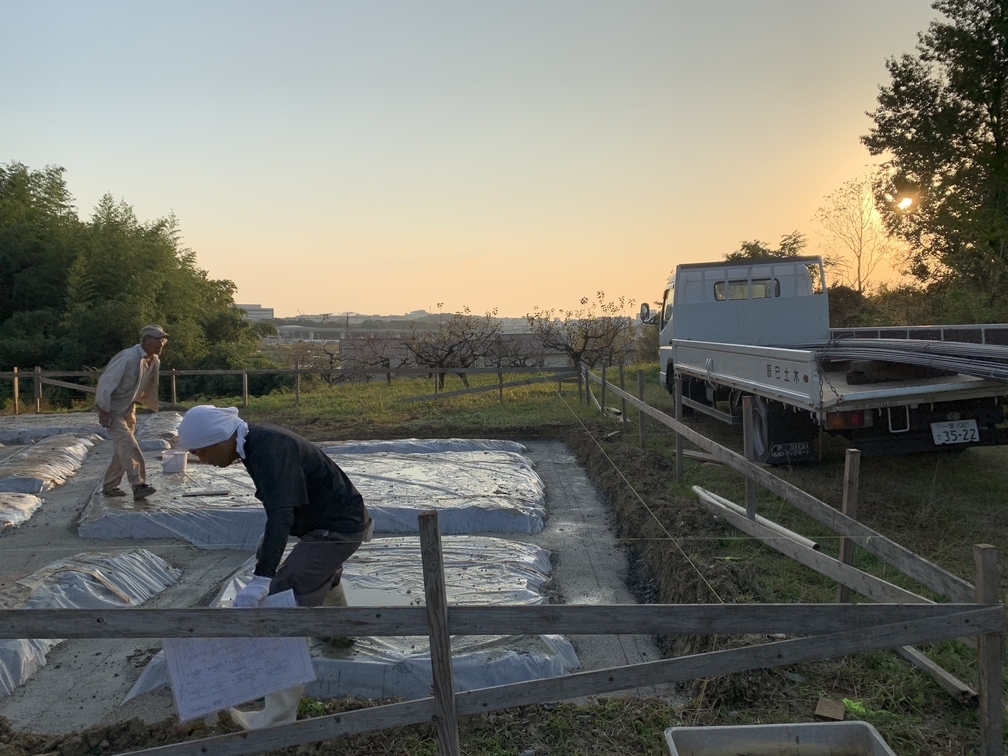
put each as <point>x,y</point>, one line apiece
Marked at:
<point>387,156</point>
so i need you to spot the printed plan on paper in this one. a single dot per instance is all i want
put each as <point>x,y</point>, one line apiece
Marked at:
<point>210,674</point>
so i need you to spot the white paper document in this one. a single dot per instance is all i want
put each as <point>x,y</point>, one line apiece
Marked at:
<point>210,674</point>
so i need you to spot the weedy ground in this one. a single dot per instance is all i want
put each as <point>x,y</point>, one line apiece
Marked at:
<point>938,505</point>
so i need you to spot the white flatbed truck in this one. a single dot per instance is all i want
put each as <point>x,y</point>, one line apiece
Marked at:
<point>760,328</point>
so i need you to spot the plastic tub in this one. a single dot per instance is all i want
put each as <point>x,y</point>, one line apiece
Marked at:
<point>174,460</point>
<point>805,739</point>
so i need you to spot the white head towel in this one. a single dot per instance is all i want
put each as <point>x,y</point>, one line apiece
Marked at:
<point>206,425</point>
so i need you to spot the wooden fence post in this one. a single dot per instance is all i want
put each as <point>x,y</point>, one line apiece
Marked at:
<point>678,436</point>
<point>245,388</point>
<point>747,442</point>
<point>640,415</point>
<point>990,655</point>
<point>17,409</point>
<point>174,393</point>
<point>500,387</point>
<point>580,399</point>
<point>436,598</point>
<point>602,401</point>
<point>622,386</point>
<point>38,389</point>
<point>297,382</point>
<point>852,471</point>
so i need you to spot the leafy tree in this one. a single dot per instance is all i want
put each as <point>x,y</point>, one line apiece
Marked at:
<point>791,245</point>
<point>595,333</point>
<point>943,119</point>
<point>74,293</point>
<point>856,239</point>
<point>39,239</point>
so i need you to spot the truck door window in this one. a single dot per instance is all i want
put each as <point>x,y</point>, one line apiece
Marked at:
<point>667,308</point>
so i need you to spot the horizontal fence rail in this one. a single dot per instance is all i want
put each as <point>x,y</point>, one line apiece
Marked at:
<point>610,619</point>
<point>52,378</point>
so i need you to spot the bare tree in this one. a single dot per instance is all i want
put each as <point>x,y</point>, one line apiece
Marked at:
<point>387,352</point>
<point>515,350</point>
<point>597,332</point>
<point>853,231</point>
<point>458,342</point>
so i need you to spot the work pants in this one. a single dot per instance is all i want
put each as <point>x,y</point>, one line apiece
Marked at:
<point>126,455</point>
<point>314,566</point>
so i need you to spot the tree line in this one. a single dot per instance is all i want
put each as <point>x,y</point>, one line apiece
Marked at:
<point>936,208</point>
<point>75,291</point>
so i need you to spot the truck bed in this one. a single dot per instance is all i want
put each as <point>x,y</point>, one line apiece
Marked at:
<point>808,379</point>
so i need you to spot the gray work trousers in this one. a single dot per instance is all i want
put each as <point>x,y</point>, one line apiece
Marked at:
<point>126,455</point>
<point>313,567</point>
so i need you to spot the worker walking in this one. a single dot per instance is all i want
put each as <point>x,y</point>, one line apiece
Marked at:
<point>131,377</point>
<point>306,495</point>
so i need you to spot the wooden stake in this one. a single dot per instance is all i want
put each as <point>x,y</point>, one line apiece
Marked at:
<point>990,655</point>
<point>174,394</point>
<point>436,597</point>
<point>602,399</point>
<point>747,441</point>
<point>17,409</point>
<point>622,386</point>
<point>38,390</point>
<point>640,415</point>
<point>245,388</point>
<point>852,472</point>
<point>678,436</point>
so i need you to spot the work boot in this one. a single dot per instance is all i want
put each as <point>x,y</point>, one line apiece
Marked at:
<point>337,597</point>
<point>142,491</point>
<point>113,491</point>
<point>281,708</point>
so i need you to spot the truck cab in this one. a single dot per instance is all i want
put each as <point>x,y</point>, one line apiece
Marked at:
<point>774,302</point>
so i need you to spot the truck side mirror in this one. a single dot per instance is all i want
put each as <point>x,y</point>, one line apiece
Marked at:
<point>646,316</point>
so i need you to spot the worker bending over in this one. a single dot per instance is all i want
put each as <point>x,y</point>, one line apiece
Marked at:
<point>305,495</point>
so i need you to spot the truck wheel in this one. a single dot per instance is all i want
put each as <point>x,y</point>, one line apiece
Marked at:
<point>761,441</point>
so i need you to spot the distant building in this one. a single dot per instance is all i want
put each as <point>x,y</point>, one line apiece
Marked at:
<point>256,312</point>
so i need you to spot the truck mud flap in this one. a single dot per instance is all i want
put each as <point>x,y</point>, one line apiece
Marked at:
<point>795,451</point>
<point>782,437</point>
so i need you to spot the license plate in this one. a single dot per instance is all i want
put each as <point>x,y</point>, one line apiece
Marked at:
<point>955,432</point>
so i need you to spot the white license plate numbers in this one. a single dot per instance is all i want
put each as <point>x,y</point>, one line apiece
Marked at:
<point>955,432</point>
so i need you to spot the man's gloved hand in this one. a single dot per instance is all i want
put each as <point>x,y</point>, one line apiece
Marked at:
<point>253,593</point>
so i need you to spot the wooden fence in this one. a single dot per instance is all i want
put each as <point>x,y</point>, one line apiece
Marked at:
<point>847,577</point>
<point>832,630</point>
<point>40,378</point>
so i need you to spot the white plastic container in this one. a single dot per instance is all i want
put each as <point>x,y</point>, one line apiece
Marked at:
<point>174,460</point>
<point>804,739</point>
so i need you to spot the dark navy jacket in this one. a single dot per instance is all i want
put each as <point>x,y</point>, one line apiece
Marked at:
<point>302,490</point>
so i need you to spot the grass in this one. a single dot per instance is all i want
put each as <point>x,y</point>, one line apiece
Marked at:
<point>376,410</point>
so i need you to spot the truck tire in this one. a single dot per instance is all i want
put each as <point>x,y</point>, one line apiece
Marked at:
<point>780,436</point>
<point>762,442</point>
